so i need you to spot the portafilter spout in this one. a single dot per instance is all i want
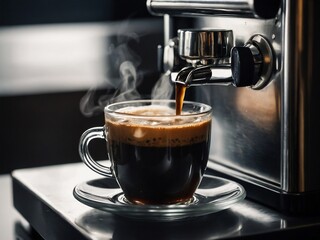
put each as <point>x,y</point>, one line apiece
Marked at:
<point>211,59</point>
<point>195,76</point>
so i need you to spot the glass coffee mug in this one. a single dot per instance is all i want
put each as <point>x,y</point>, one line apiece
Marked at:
<point>156,156</point>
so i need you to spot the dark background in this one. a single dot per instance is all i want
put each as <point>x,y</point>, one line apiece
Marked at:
<point>23,12</point>
<point>43,128</point>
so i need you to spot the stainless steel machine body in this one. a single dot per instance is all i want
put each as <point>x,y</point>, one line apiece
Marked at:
<point>265,137</point>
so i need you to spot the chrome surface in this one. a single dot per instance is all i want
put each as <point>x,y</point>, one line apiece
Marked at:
<point>243,8</point>
<point>247,132</point>
<point>203,75</point>
<point>171,61</point>
<point>300,121</point>
<point>204,44</point>
<point>263,59</point>
<point>266,134</point>
<point>207,54</point>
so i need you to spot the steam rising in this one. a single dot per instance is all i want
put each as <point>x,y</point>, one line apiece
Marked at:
<point>163,88</point>
<point>123,76</point>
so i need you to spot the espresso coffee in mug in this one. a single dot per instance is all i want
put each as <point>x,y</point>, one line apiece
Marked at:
<point>157,157</point>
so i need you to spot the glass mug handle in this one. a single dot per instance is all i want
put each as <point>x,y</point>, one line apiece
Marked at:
<point>86,137</point>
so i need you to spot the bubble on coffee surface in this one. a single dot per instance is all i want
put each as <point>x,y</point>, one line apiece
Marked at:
<point>157,114</point>
<point>159,132</point>
<point>149,110</point>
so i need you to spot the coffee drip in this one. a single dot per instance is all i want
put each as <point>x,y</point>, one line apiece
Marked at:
<point>180,93</point>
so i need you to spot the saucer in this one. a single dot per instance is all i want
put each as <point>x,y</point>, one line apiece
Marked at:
<point>214,194</point>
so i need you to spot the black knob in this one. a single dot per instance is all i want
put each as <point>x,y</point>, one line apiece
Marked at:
<point>266,9</point>
<point>244,71</point>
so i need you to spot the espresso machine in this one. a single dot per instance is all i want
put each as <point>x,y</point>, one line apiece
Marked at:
<point>255,62</point>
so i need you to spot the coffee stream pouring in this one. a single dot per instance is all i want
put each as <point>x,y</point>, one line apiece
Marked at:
<point>206,55</point>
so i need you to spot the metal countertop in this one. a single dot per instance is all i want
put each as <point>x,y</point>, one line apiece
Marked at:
<point>44,196</point>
